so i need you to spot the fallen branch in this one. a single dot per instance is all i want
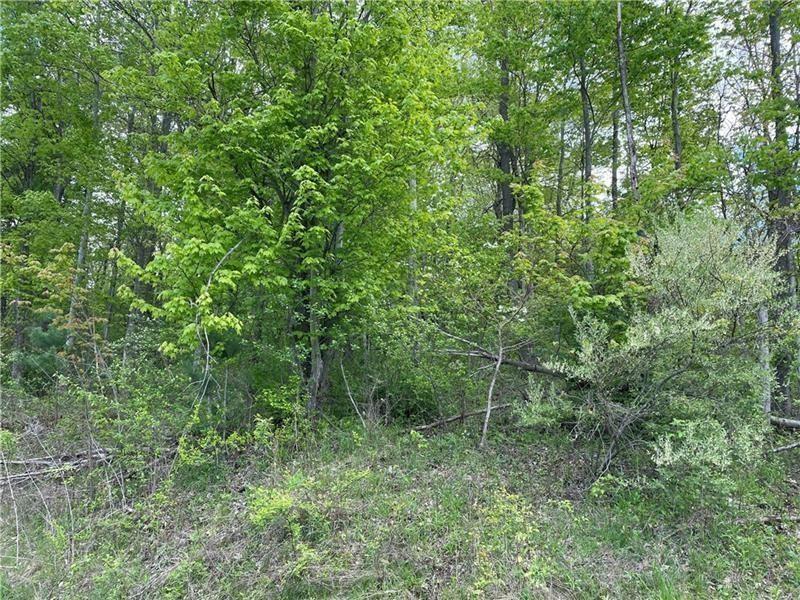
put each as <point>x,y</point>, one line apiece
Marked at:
<point>787,423</point>
<point>479,351</point>
<point>54,461</point>
<point>32,474</point>
<point>770,520</point>
<point>457,417</point>
<point>785,448</point>
<point>55,466</point>
<point>525,366</point>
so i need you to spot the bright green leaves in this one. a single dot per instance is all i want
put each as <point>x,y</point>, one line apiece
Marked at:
<point>300,157</point>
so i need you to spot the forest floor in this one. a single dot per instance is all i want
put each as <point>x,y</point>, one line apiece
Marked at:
<point>388,514</point>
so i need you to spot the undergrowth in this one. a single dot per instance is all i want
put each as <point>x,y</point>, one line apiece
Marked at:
<point>348,514</point>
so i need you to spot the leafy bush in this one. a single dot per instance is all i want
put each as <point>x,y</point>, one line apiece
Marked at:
<point>685,380</point>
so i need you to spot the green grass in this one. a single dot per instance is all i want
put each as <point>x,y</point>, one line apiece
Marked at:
<point>389,514</point>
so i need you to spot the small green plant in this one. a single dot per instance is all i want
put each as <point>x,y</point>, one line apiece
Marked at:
<point>8,442</point>
<point>266,505</point>
<point>417,440</point>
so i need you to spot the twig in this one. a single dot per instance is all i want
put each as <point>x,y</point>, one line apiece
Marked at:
<point>350,395</point>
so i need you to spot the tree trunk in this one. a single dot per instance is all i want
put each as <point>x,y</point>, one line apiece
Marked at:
<point>85,214</point>
<point>780,200</point>
<point>626,104</point>
<point>586,173</point>
<point>19,342</point>
<point>764,358</point>
<point>112,284</point>
<point>677,142</point>
<point>506,203</point>
<point>77,281</point>
<point>615,160</point>
<point>144,254</point>
<point>560,179</point>
<point>317,364</point>
<point>489,395</point>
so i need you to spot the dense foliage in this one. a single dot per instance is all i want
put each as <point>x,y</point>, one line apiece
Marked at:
<point>231,229</point>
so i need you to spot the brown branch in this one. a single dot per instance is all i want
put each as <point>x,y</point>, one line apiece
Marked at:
<point>457,417</point>
<point>525,366</point>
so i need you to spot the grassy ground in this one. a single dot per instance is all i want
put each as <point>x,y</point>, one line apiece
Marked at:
<point>397,515</point>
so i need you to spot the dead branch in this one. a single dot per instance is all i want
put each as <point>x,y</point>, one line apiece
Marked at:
<point>479,351</point>
<point>525,366</point>
<point>785,448</point>
<point>52,461</point>
<point>769,520</point>
<point>458,417</point>
<point>56,465</point>
<point>783,422</point>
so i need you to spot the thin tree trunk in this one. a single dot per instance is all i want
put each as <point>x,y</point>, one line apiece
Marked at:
<point>626,104</point>
<point>144,253</point>
<point>112,285</point>
<point>19,342</point>
<point>77,280</point>
<point>615,160</point>
<point>586,172</point>
<point>677,142</point>
<point>764,358</point>
<point>560,180</point>
<point>491,390</point>
<point>84,241</point>
<point>316,367</point>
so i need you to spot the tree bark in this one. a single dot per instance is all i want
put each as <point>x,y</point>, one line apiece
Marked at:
<point>764,358</point>
<point>677,142</point>
<point>85,215</point>
<point>459,417</point>
<point>586,107</point>
<point>19,342</point>
<point>506,202</point>
<point>317,364</point>
<point>615,160</point>
<point>626,104</point>
<point>560,177</point>
<point>112,284</point>
<point>488,415</point>
<point>787,423</point>
<point>77,280</point>
<point>780,199</point>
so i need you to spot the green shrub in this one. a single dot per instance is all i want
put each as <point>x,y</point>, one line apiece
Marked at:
<point>684,380</point>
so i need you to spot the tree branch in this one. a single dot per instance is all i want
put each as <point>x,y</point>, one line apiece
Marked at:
<point>787,423</point>
<point>459,416</point>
